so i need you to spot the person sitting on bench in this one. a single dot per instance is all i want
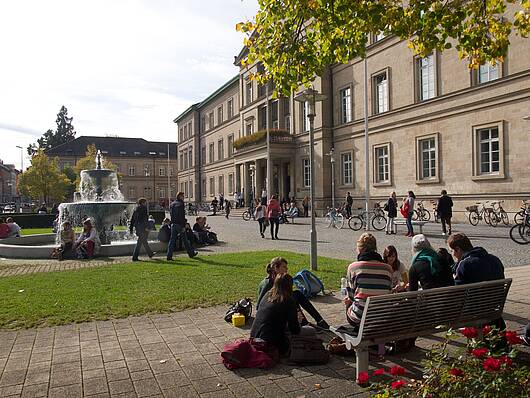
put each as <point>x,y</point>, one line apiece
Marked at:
<point>428,269</point>
<point>368,276</point>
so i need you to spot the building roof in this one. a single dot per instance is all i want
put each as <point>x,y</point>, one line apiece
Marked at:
<point>115,147</point>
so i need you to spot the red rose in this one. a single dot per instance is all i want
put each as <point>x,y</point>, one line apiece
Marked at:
<point>456,372</point>
<point>491,364</point>
<point>479,352</point>
<point>397,371</point>
<point>378,372</point>
<point>505,360</point>
<point>398,384</point>
<point>363,378</point>
<point>486,329</point>
<point>470,333</point>
<point>512,338</point>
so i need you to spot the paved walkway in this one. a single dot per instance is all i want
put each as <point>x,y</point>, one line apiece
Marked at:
<point>177,355</point>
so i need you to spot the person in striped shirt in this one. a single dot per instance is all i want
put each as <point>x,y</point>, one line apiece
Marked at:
<point>368,276</point>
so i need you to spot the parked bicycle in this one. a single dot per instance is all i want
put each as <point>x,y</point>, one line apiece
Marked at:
<point>499,213</point>
<point>421,213</point>
<point>520,233</point>
<point>334,218</point>
<point>519,217</point>
<point>478,212</point>
<point>248,214</point>
<point>376,216</point>
<point>435,211</point>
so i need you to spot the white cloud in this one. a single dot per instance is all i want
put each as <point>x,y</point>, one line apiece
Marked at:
<point>126,67</point>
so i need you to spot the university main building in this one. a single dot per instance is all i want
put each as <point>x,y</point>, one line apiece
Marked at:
<point>433,125</point>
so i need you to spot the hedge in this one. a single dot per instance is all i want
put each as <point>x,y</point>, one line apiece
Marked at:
<point>258,137</point>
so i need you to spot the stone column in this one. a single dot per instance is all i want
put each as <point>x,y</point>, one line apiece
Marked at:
<point>259,177</point>
<point>237,178</point>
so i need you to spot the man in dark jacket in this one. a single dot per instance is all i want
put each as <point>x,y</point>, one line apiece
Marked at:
<point>475,264</point>
<point>178,227</point>
<point>139,221</point>
<point>349,203</point>
<point>445,211</point>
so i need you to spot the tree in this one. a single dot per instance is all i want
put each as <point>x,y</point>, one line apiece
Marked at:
<point>43,180</point>
<point>296,40</point>
<point>65,132</point>
<point>89,162</point>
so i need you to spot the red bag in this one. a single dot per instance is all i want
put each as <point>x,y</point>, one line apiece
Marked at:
<point>405,209</point>
<point>4,230</point>
<point>244,354</point>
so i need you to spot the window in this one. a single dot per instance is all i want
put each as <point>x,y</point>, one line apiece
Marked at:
<point>380,82</point>
<point>488,150</point>
<point>203,123</point>
<point>181,160</point>
<point>132,192</point>
<point>220,115</point>
<point>210,120</point>
<point>171,171</point>
<point>220,150</point>
<point>132,170</point>
<point>379,36</point>
<point>487,73</point>
<point>203,187</point>
<point>230,108</point>
<point>345,105</point>
<point>210,153</point>
<point>123,153</point>
<point>162,173</point>
<point>230,144</point>
<point>262,117</point>
<point>147,170</point>
<point>181,134</point>
<point>382,164</point>
<point>190,133</point>
<point>274,114</point>
<point>186,132</point>
<point>221,186</point>
<point>162,192</point>
<point>190,188</point>
<point>426,76</point>
<point>230,183</point>
<point>248,129</point>
<point>185,185</point>
<point>306,172</point>
<point>147,192</point>
<point>427,161</point>
<point>203,154</point>
<point>186,164</point>
<point>190,157</point>
<point>305,116</point>
<point>287,122</point>
<point>212,186</point>
<point>248,93</point>
<point>347,168</point>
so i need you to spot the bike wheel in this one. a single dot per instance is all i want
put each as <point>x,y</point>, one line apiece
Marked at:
<point>425,215</point>
<point>520,234</point>
<point>339,221</point>
<point>379,223</point>
<point>415,215</point>
<point>474,218</point>
<point>246,215</point>
<point>518,218</point>
<point>494,219</point>
<point>436,218</point>
<point>504,217</point>
<point>355,223</point>
<point>329,220</point>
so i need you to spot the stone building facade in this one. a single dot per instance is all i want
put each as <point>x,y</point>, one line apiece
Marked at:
<point>8,183</point>
<point>433,125</point>
<point>145,167</point>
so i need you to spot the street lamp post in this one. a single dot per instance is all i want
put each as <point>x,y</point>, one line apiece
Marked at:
<point>310,96</point>
<point>21,158</point>
<point>332,160</point>
<point>252,183</point>
<point>366,149</point>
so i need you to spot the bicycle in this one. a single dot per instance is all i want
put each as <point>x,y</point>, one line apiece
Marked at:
<point>376,216</point>
<point>520,233</point>
<point>483,213</point>
<point>421,213</point>
<point>248,214</point>
<point>334,218</point>
<point>435,211</point>
<point>499,212</point>
<point>519,217</point>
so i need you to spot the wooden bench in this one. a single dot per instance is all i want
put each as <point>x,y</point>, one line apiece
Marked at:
<point>392,317</point>
<point>414,223</point>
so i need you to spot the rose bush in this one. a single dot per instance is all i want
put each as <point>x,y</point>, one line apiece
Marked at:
<point>487,366</point>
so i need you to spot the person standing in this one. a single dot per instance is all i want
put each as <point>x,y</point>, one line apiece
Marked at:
<point>140,223</point>
<point>391,209</point>
<point>221,201</point>
<point>260,216</point>
<point>445,211</point>
<point>263,196</point>
<point>349,203</point>
<point>178,227</point>
<point>236,199</point>
<point>305,205</point>
<point>214,205</point>
<point>228,207</point>
<point>407,210</point>
<point>273,214</point>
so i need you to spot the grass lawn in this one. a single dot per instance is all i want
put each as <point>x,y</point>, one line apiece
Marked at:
<point>122,290</point>
<point>35,231</point>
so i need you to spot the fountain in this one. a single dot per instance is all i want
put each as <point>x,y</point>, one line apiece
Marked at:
<point>99,198</point>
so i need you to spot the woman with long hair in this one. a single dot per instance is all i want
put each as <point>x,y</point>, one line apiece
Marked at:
<point>391,209</point>
<point>400,277</point>
<point>408,203</point>
<point>260,214</point>
<point>273,213</point>
<point>277,313</point>
<point>278,266</point>
<point>88,242</point>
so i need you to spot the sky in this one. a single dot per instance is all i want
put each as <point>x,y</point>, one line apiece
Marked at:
<point>121,67</point>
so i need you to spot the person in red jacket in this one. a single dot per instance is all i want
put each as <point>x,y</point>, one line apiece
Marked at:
<point>273,214</point>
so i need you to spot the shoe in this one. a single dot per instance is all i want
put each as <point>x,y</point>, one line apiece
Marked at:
<point>272,237</point>
<point>443,233</point>
<point>169,259</point>
<point>135,259</point>
<point>262,235</point>
<point>277,238</point>
<point>194,254</point>
<point>449,232</point>
<point>322,324</point>
<point>152,254</point>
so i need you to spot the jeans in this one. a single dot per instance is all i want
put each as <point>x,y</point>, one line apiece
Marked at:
<point>390,225</point>
<point>274,221</point>
<point>304,302</point>
<point>177,230</point>
<point>142,241</point>
<point>348,211</point>
<point>446,220</point>
<point>262,226</point>
<point>409,224</point>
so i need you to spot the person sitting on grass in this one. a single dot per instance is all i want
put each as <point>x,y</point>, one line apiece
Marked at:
<point>277,314</point>
<point>278,266</point>
<point>88,242</point>
<point>164,233</point>
<point>14,229</point>
<point>66,242</point>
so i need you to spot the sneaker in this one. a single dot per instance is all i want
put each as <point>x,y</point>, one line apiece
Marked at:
<point>322,324</point>
<point>152,254</point>
<point>262,235</point>
<point>194,254</point>
<point>169,259</point>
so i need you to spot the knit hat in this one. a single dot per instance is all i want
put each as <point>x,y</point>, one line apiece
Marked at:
<point>420,242</point>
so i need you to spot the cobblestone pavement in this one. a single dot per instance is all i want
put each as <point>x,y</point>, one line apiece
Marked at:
<point>237,235</point>
<point>177,355</point>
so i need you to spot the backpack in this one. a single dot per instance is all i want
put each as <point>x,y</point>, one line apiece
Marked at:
<point>243,306</point>
<point>308,283</point>
<point>307,348</point>
<point>4,230</point>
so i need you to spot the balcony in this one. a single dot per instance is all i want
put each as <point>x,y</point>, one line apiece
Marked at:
<point>277,136</point>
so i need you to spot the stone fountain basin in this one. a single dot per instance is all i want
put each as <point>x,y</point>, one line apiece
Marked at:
<point>41,246</point>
